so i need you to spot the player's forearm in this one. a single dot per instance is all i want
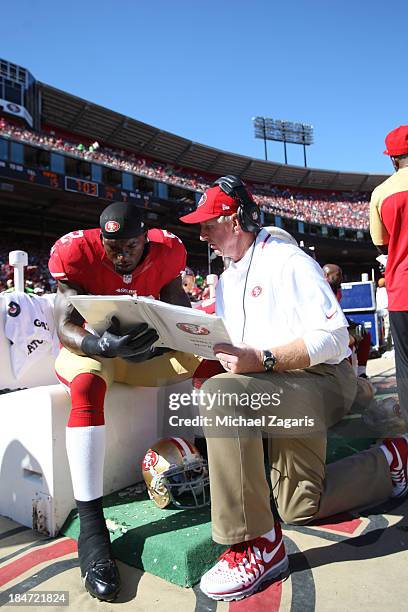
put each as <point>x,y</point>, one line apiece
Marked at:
<point>71,337</point>
<point>181,299</point>
<point>178,298</point>
<point>173,293</point>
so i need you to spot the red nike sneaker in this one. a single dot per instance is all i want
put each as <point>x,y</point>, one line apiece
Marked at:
<point>241,570</point>
<point>398,447</point>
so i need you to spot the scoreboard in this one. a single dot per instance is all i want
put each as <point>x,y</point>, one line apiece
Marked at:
<point>81,186</point>
<point>62,182</point>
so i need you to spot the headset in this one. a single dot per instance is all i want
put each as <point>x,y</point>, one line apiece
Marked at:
<point>248,213</point>
<point>249,218</point>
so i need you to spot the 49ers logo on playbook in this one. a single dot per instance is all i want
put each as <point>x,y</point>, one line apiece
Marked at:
<point>256,291</point>
<point>112,226</point>
<point>150,460</point>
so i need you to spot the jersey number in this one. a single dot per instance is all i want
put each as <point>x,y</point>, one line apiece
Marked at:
<point>68,238</point>
<point>170,235</point>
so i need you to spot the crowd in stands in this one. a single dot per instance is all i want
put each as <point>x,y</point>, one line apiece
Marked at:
<point>195,285</point>
<point>37,277</point>
<point>337,209</point>
<point>39,281</point>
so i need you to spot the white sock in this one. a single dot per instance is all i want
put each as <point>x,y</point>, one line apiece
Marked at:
<point>86,453</point>
<point>387,453</point>
<point>270,535</point>
<point>361,370</point>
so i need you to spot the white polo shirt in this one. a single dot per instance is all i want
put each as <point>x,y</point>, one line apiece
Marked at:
<point>276,294</point>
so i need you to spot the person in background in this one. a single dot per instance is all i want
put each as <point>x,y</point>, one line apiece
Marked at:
<point>360,338</point>
<point>28,287</point>
<point>190,285</point>
<point>389,233</point>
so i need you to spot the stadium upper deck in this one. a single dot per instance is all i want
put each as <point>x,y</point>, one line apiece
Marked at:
<point>163,172</point>
<point>73,114</point>
<point>337,209</point>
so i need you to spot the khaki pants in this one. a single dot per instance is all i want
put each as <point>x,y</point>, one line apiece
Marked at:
<point>303,487</point>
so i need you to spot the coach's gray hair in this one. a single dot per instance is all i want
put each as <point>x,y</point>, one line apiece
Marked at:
<point>223,218</point>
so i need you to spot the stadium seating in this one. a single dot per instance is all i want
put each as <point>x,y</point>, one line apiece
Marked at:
<point>336,209</point>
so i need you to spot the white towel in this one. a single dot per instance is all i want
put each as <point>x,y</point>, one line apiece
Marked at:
<point>29,326</point>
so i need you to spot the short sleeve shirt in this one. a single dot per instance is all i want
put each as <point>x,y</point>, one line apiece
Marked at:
<point>79,258</point>
<point>389,226</point>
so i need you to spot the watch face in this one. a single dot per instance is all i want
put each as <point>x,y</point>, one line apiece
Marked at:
<point>269,360</point>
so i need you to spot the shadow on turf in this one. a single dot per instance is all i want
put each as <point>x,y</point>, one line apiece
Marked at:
<point>377,541</point>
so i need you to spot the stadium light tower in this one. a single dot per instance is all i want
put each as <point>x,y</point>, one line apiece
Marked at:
<point>283,131</point>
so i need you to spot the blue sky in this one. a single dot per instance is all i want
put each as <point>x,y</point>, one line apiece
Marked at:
<point>204,69</point>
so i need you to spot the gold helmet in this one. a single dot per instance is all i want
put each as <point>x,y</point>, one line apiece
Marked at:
<point>175,472</point>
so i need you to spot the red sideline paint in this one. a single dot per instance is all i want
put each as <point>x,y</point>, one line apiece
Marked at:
<point>35,557</point>
<point>339,522</point>
<point>268,599</point>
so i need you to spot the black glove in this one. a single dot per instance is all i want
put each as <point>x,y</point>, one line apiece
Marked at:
<point>149,354</point>
<point>137,341</point>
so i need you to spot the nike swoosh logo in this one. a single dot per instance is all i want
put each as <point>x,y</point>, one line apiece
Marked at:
<point>399,466</point>
<point>332,315</point>
<point>268,556</point>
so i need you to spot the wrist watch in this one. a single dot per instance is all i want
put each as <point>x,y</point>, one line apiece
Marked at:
<point>269,361</point>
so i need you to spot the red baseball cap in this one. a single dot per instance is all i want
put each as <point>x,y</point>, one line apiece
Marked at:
<point>213,203</point>
<point>397,141</point>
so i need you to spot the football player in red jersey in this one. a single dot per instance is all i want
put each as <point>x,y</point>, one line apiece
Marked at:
<point>119,257</point>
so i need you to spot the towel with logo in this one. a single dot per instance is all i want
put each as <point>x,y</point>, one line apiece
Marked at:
<point>29,326</point>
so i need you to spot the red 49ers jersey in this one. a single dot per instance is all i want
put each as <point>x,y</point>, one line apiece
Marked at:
<point>79,258</point>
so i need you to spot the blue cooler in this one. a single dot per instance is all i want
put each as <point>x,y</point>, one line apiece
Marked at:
<point>358,297</point>
<point>358,304</point>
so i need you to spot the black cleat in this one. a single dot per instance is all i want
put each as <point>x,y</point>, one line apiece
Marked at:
<point>102,579</point>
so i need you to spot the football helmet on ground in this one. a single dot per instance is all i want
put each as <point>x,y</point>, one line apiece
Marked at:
<point>175,473</point>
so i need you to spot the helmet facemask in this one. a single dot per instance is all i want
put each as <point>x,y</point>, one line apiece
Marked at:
<point>174,479</point>
<point>188,485</point>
